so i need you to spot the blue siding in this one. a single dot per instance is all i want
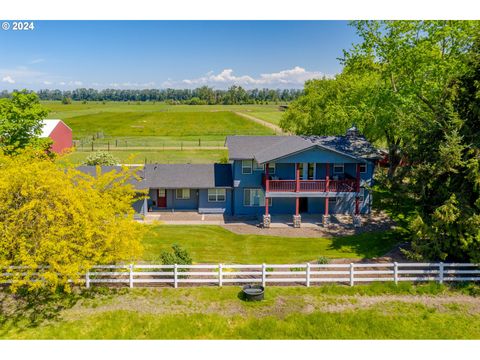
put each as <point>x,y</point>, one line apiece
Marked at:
<point>317,155</point>
<point>225,206</point>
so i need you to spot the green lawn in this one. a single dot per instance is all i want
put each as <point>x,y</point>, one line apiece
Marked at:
<point>159,156</point>
<point>325,312</point>
<point>218,245</point>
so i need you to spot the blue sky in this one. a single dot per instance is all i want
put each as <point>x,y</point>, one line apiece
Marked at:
<point>178,54</point>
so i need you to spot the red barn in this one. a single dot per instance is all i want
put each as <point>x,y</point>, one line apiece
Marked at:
<point>60,134</point>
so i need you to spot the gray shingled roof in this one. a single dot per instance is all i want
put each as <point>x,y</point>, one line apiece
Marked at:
<point>91,170</point>
<point>197,176</point>
<point>268,148</point>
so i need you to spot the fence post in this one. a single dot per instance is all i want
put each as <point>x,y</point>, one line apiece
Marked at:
<point>395,272</point>
<point>131,276</point>
<point>308,275</point>
<point>87,279</point>
<point>220,274</point>
<point>175,273</point>
<point>440,273</point>
<point>352,281</point>
<point>264,274</point>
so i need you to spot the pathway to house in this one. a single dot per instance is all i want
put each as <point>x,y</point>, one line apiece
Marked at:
<point>278,130</point>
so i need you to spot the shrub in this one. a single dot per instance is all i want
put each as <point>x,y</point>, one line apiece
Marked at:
<point>323,260</point>
<point>66,101</point>
<point>101,158</point>
<point>179,256</point>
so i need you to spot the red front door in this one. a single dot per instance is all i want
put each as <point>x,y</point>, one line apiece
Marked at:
<point>162,198</point>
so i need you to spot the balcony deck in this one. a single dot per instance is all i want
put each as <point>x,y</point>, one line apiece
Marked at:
<point>311,186</point>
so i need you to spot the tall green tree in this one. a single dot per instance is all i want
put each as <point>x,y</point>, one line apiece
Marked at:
<point>395,84</point>
<point>447,177</point>
<point>20,121</point>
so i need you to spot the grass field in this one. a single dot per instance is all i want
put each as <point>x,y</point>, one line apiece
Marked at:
<point>77,108</point>
<point>144,128</point>
<point>158,156</point>
<point>216,244</point>
<point>376,311</point>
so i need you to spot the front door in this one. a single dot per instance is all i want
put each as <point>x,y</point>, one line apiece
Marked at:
<point>162,198</point>
<point>303,205</point>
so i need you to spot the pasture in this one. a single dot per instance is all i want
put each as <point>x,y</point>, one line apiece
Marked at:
<point>142,129</point>
<point>130,156</point>
<point>376,311</point>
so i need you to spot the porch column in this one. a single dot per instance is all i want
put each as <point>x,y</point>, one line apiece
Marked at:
<point>297,219</point>
<point>357,222</point>
<point>326,216</point>
<point>357,189</point>
<point>266,217</point>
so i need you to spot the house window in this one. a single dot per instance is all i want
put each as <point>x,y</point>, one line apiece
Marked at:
<point>216,195</point>
<point>182,194</point>
<point>311,171</point>
<point>258,167</point>
<point>338,168</point>
<point>363,168</point>
<point>300,170</point>
<point>253,197</point>
<point>246,166</point>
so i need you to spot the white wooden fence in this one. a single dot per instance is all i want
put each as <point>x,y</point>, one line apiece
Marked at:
<point>280,274</point>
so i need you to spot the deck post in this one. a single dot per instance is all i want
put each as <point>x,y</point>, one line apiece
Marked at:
<point>357,222</point>
<point>326,216</point>
<point>87,279</point>
<point>297,178</point>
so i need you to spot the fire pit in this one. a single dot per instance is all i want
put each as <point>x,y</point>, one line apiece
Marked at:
<point>253,292</point>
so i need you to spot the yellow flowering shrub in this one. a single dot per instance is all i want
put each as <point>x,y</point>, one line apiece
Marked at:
<point>60,222</point>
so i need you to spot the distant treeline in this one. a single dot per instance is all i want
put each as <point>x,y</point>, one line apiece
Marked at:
<point>203,95</point>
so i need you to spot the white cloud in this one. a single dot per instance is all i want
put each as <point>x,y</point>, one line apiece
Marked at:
<point>46,82</point>
<point>131,85</point>
<point>37,61</point>
<point>294,77</point>
<point>8,79</point>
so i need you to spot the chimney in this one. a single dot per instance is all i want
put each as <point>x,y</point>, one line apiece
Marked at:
<point>353,132</point>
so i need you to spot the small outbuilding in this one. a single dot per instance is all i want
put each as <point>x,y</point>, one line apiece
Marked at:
<point>60,134</point>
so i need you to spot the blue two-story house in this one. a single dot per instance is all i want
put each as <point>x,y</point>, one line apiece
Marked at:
<point>270,175</point>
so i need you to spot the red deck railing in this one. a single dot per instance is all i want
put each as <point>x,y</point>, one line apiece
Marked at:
<point>347,185</point>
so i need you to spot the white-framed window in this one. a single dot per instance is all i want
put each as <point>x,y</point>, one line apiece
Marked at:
<point>246,166</point>
<point>182,194</point>
<point>257,166</point>
<point>363,168</point>
<point>338,168</point>
<point>217,195</point>
<point>253,197</point>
